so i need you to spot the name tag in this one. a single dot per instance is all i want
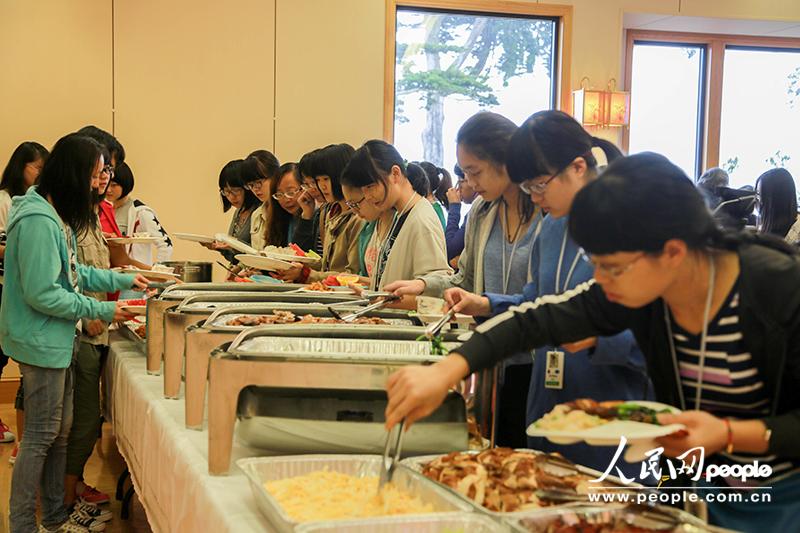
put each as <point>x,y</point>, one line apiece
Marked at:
<point>554,370</point>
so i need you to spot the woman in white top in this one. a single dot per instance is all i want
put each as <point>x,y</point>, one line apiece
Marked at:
<point>413,245</point>
<point>133,216</point>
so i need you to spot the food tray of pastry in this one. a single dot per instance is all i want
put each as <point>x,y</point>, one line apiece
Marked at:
<point>611,519</point>
<point>340,342</point>
<point>506,482</point>
<point>232,319</point>
<point>323,489</point>
<point>439,523</point>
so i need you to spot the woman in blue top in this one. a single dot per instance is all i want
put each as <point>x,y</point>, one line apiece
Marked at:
<point>553,146</point>
<point>41,309</point>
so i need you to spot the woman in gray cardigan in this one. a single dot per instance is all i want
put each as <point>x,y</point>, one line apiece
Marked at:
<point>234,194</point>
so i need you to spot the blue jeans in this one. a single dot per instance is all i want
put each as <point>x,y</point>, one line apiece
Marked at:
<point>41,460</point>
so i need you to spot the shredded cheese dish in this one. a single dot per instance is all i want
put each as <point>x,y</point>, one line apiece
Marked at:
<point>326,495</point>
<point>564,419</point>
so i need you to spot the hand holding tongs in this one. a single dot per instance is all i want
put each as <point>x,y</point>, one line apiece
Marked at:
<point>361,312</point>
<point>389,464</point>
<point>436,327</point>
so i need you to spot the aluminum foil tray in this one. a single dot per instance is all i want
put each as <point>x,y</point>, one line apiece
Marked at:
<point>656,519</point>
<point>443,523</point>
<point>336,348</point>
<point>222,320</point>
<point>417,463</point>
<point>262,469</point>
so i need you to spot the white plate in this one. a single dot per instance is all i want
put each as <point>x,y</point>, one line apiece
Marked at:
<point>133,240</point>
<point>236,244</point>
<point>262,263</point>
<point>290,258</point>
<point>152,275</point>
<point>639,434</point>
<point>193,237</point>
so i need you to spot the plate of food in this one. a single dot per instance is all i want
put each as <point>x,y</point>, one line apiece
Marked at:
<point>134,307</point>
<point>151,275</point>
<point>137,328</point>
<point>136,238</point>
<point>259,262</point>
<point>291,253</point>
<point>319,286</point>
<point>236,244</point>
<point>604,423</point>
<point>194,237</point>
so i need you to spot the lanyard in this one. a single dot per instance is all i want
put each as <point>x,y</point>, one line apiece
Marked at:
<point>703,340</point>
<point>507,271</point>
<point>382,252</point>
<point>559,288</point>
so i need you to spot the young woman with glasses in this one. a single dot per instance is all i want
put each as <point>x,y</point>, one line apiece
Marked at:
<point>284,222</point>
<point>717,315</point>
<point>234,195</point>
<point>498,240</point>
<point>257,171</point>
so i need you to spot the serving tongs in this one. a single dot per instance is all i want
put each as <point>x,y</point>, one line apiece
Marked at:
<point>389,463</point>
<point>361,312</point>
<point>434,329</point>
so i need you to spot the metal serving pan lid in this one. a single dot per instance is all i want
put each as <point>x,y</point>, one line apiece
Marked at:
<point>205,302</point>
<point>180,291</point>
<point>218,321</point>
<point>337,342</point>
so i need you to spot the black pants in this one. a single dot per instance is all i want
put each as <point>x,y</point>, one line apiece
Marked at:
<point>512,403</point>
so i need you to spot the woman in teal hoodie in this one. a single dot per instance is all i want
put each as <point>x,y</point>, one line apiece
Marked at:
<point>41,309</point>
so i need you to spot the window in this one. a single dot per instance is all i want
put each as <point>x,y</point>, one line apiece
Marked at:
<point>447,65</point>
<point>668,80</point>
<point>760,113</point>
<point>716,100</point>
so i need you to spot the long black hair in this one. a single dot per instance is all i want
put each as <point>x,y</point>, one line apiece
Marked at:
<point>13,181</point>
<point>112,145</point>
<point>439,179</point>
<point>231,176</point>
<point>66,179</point>
<point>265,162</point>
<point>548,141</point>
<point>487,136</point>
<point>372,163</point>
<point>642,201</point>
<point>276,231</point>
<point>777,197</point>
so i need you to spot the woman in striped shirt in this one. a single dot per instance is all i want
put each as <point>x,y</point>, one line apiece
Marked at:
<point>717,316</point>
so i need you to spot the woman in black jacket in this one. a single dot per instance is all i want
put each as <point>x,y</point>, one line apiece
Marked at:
<point>716,315</point>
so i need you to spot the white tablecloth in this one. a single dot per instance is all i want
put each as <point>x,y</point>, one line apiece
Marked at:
<point>169,463</point>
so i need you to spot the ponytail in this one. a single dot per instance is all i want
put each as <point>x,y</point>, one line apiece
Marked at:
<point>418,178</point>
<point>610,149</point>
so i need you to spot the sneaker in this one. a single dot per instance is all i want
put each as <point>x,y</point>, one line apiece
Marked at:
<point>93,511</point>
<point>93,496</point>
<point>14,452</point>
<point>77,518</point>
<point>66,527</point>
<point>5,433</point>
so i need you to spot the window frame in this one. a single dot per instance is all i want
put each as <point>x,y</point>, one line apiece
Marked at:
<point>711,100</point>
<point>563,14</point>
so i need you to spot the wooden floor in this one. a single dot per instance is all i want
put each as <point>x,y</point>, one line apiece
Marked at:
<point>102,471</point>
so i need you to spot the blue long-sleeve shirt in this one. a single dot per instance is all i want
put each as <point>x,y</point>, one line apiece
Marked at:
<point>454,231</point>
<point>613,370</point>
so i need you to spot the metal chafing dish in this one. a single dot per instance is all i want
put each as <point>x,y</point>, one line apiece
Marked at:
<point>339,362</point>
<point>438,523</point>
<point>198,307</point>
<point>262,470</point>
<point>172,295</point>
<point>202,339</point>
<point>641,517</point>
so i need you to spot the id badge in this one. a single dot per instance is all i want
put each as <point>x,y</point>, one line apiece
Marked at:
<point>554,370</point>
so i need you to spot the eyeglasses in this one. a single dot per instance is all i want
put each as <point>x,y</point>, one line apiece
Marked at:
<point>355,205</point>
<point>610,271</point>
<point>255,185</point>
<point>288,194</point>
<point>537,188</point>
<point>109,170</point>
<point>232,191</point>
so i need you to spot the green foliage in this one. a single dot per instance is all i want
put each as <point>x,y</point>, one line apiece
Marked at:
<point>448,82</point>
<point>778,159</point>
<point>794,87</point>
<point>731,165</point>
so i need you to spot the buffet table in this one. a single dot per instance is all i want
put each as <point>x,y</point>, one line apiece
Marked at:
<point>168,463</point>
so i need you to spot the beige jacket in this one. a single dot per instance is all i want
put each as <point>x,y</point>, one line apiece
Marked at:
<point>93,251</point>
<point>419,249</point>
<point>339,246</point>
<point>258,228</point>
